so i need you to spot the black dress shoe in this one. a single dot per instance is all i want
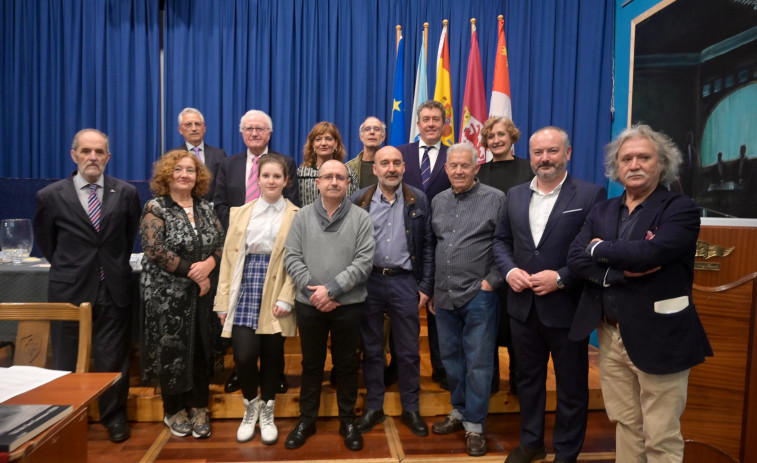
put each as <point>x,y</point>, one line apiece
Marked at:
<point>283,386</point>
<point>232,384</point>
<point>370,419</point>
<point>299,434</point>
<point>524,454</point>
<point>415,422</point>
<point>119,432</point>
<point>353,440</point>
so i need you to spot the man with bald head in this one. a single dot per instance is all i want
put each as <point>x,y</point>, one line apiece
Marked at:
<point>400,284</point>
<point>372,134</point>
<point>329,256</point>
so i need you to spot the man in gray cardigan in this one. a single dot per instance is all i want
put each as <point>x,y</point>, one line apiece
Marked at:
<point>329,256</point>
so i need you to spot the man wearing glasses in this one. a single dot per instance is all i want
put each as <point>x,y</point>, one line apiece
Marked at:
<point>329,256</point>
<point>372,134</point>
<point>192,128</point>
<point>236,181</point>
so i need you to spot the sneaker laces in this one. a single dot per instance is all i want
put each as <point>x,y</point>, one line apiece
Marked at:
<point>266,415</point>
<point>249,413</point>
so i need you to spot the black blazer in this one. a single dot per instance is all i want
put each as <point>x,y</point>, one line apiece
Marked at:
<point>231,184</point>
<point>76,251</point>
<point>213,158</point>
<point>665,236</point>
<point>514,247</point>
<point>439,180</point>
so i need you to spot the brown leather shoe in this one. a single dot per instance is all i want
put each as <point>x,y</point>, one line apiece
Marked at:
<point>475,444</point>
<point>448,425</point>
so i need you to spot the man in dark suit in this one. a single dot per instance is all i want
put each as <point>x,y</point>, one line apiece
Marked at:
<point>85,226</point>
<point>236,184</point>
<point>192,128</point>
<point>531,247</point>
<point>234,172</point>
<point>424,169</point>
<point>636,252</point>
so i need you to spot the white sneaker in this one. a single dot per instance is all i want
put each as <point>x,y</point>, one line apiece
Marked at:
<point>269,434</point>
<point>246,430</point>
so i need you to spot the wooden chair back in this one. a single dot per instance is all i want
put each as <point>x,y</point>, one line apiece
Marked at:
<point>33,336</point>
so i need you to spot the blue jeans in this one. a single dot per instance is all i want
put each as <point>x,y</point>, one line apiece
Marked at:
<point>467,336</point>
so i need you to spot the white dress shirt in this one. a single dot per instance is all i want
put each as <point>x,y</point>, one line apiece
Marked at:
<point>540,207</point>
<point>433,153</point>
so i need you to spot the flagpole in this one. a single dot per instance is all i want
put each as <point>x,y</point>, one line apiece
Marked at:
<point>472,25</point>
<point>399,35</point>
<point>425,42</point>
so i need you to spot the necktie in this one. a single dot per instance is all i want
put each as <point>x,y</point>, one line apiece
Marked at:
<point>94,210</point>
<point>425,168</point>
<point>253,190</point>
<point>196,149</point>
<point>93,206</point>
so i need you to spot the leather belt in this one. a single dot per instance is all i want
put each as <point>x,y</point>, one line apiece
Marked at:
<point>390,272</point>
<point>610,321</point>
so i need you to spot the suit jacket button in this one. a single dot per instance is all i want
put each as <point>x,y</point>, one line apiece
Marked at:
<point>536,253</point>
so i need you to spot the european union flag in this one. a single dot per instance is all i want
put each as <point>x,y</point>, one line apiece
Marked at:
<point>397,131</point>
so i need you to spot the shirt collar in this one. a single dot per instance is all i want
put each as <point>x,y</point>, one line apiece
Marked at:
<point>250,155</point>
<point>191,146</point>
<point>556,190</point>
<point>80,182</point>
<point>475,186</point>
<point>378,195</point>
<point>436,145</point>
<point>262,205</point>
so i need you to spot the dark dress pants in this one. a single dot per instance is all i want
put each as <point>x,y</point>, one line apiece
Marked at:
<point>398,296</point>
<point>343,323</point>
<point>533,343</point>
<point>110,351</point>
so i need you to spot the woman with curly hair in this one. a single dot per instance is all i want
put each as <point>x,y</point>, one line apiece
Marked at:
<point>182,241</point>
<point>323,143</point>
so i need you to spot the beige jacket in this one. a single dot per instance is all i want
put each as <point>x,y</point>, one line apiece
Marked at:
<point>278,286</point>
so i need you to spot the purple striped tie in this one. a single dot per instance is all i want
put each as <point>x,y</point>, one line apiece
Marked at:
<point>425,168</point>
<point>93,206</point>
<point>196,150</point>
<point>253,190</point>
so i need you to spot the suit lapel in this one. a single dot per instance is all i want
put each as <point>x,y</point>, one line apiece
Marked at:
<point>71,199</point>
<point>412,168</point>
<point>111,194</point>
<point>567,192</point>
<point>648,214</point>
<point>522,198</point>
<point>441,159</point>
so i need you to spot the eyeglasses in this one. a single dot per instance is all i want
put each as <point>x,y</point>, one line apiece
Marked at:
<point>255,129</point>
<point>331,177</point>
<point>372,128</point>
<point>189,125</point>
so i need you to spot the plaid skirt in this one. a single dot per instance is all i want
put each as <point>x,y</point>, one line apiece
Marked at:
<point>251,290</point>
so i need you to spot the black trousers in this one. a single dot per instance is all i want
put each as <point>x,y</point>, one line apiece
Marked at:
<point>248,347</point>
<point>110,351</point>
<point>343,323</point>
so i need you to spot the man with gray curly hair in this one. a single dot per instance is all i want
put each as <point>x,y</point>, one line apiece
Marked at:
<point>636,253</point>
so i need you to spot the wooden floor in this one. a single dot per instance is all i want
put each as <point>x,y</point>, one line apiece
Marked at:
<point>386,443</point>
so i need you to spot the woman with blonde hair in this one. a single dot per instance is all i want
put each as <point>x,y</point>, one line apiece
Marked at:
<point>255,295</point>
<point>323,143</point>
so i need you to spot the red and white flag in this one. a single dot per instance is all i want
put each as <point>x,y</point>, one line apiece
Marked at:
<point>500,104</point>
<point>474,99</point>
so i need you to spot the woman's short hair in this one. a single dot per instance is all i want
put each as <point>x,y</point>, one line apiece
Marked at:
<point>162,173</point>
<point>321,128</point>
<point>489,126</point>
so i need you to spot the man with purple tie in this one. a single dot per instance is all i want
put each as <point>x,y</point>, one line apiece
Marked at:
<point>424,169</point>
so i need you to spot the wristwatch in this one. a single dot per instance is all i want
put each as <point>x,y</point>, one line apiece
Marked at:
<point>560,284</point>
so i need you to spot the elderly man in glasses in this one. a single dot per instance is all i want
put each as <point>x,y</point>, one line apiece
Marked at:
<point>372,134</point>
<point>329,256</point>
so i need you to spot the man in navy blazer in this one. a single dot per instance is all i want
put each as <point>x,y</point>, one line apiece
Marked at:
<point>192,128</point>
<point>231,182</point>
<point>89,262</point>
<point>636,252</point>
<point>431,117</point>
<point>539,222</point>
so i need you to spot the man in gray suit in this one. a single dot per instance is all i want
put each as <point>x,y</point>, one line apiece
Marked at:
<point>192,128</point>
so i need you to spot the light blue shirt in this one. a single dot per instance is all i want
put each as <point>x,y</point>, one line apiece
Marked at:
<point>389,230</point>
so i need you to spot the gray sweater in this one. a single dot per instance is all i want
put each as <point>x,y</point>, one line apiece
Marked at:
<point>336,252</point>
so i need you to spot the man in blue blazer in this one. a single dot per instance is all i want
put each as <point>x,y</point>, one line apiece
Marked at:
<point>85,226</point>
<point>429,149</point>
<point>231,182</point>
<point>192,128</point>
<point>539,222</point>
<point>636,252</point>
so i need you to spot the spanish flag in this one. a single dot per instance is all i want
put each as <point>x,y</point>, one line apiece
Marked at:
<point>443,90</point>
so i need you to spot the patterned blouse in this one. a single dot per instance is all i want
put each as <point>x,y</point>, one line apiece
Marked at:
<point>306,176</point>
<point>174,311</point>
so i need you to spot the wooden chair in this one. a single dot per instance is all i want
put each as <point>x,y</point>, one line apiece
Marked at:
<point>32,338</point>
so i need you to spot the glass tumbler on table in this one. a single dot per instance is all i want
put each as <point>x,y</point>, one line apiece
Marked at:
<point>16,239</point>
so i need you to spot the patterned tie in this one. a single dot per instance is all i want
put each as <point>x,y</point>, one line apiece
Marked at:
<point>253,190</point>
<point>94,210</point>
<point>93,206</point>
<point>196,149</point>
<point>425,168</point>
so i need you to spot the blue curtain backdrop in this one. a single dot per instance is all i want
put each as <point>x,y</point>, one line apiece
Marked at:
<point>71,64</point>
<point>304,61</point>
<point>89,63</point>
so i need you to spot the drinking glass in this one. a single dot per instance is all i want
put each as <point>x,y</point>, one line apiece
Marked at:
<point>16,239</point>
